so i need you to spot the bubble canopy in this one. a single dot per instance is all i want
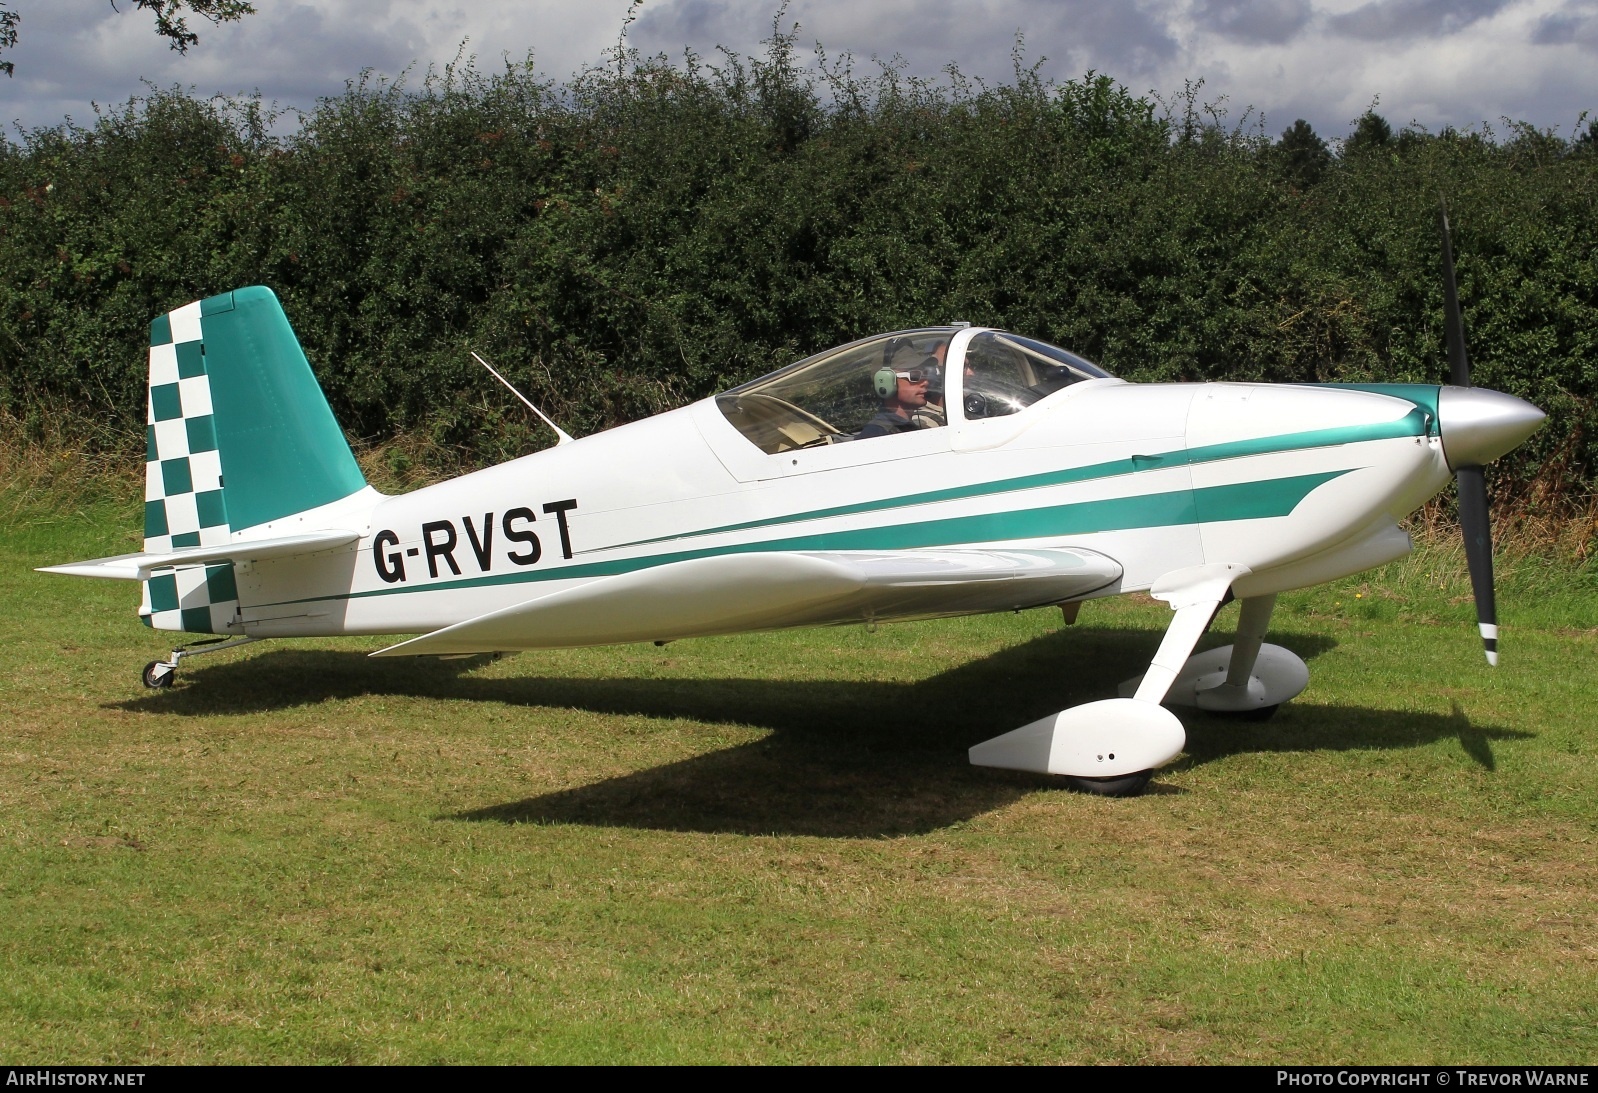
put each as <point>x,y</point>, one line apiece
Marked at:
<point>830,398</point>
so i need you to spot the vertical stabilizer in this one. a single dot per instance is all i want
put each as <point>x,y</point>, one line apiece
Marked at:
<point>239,435</point>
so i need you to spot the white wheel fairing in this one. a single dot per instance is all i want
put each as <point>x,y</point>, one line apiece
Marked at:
<point>1279,675</point>
<point>1102,739</point>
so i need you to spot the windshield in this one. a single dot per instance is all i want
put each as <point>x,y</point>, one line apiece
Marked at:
<point>894,383</point>
<point>874,387</point>
<point>1005,373</point>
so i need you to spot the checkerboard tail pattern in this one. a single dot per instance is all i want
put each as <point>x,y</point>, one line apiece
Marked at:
<point>200,599</point>
<point>183,499</point>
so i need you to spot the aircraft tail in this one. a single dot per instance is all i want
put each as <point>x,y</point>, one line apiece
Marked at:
<point>239,436</point>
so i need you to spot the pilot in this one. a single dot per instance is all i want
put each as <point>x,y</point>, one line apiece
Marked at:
<point>903,391</point>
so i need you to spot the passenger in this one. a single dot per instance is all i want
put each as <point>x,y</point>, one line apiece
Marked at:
<point>935,413</point>
<point>903,391</point>
<point>932,415</point>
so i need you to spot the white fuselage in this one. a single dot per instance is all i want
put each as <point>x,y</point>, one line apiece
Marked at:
<point>1298,484</point>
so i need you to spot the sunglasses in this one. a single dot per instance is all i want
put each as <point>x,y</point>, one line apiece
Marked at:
<point>915,375</point>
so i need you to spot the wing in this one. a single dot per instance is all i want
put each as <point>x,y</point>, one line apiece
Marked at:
<point>771,590</point>
<point>136,567</point>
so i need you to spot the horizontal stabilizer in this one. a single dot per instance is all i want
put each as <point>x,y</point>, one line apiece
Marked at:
<point>771,590</point>
<point>135,567</point>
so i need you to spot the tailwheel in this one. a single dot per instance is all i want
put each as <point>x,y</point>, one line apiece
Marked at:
<point>160,673</point>
<point>1127,785</point>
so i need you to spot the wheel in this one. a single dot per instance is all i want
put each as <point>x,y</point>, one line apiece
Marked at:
<point>1259,713</point>
<point>157,675</point>
<point>1126,785</point>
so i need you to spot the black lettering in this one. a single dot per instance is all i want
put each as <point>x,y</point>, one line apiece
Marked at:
<point>534,551</point>
<point>483,549</point>
<point>560,508</point>
<point>445,549</point>
<point>390,566</point>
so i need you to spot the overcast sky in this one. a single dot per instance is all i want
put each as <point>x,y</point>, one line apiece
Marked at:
<point>1438,62</point>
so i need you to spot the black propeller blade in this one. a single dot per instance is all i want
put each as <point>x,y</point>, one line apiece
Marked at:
<point>1473,518</point>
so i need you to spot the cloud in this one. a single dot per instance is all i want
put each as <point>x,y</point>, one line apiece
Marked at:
<point>978,35</point>
<point>1274,21</point>
<point>74,52</point>
<point>1575,22</point>
<point>1137,36</point>
<point>700,21</point>
<point>294,52</point>
<point>1435,61</point>
<point>1398,20</point>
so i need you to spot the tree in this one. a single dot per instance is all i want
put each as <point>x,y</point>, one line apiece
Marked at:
<point>1588,140</point>
<point>171,22</point>
<point>8,35</point>
<point>1371,131</point>
<point>1303,155</point>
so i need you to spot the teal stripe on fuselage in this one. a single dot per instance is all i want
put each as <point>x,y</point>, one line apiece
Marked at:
<point>1424,395</point>
<point>1239,501</point>
<point>1416,423</point>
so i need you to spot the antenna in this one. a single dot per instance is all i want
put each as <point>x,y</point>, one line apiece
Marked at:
<point>563,436</point>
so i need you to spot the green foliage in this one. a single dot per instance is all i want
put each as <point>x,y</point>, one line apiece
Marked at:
<point>1371,133</point>
<point>8,37</point>
<point>171,24</point>
<point>1303,154</point>
<point>1587,141</point>
<point>650,232</point>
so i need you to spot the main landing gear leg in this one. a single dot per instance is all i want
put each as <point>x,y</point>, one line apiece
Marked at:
<point>1247,679</point>
<point>160,673</point>
<point>1111,747</point>
<point>1253,621</point>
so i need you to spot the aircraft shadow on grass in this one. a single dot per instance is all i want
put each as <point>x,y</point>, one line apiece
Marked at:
<point>844,758</point>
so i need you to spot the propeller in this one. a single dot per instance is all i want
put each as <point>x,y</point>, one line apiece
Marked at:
<point>1473,518</point>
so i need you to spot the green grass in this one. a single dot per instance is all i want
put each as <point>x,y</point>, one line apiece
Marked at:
<point>772,848</point>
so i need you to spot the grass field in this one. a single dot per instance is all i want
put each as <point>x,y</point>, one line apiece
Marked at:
<point>772,848</point>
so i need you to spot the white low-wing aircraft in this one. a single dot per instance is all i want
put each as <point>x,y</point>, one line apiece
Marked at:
<point>811,497</point>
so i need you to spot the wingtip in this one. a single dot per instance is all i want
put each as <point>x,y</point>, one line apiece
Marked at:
<point>123,567</point>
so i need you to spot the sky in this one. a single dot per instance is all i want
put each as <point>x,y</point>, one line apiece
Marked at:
<point>1463,63</point>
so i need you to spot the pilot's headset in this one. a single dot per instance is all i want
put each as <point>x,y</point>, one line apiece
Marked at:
<point>885,380</point>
